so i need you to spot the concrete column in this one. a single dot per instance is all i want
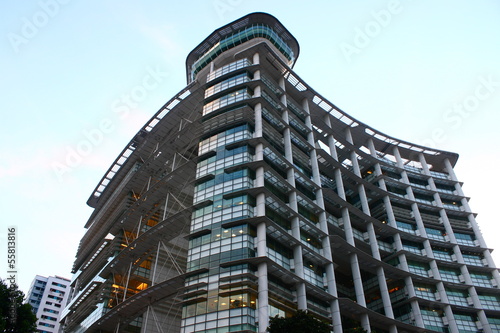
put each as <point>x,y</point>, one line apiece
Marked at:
<point>452,324</point>
<point>391,220</point>
<point>257,91</point>
<point>263,294</point>
<point>357,280</point>
<point>256,75</point>
<point>329,268</point>
<point>258,131</point>
<point>417,315</point>
<point>256,59</point>
<point>358,283</point>
<point>384,292</point>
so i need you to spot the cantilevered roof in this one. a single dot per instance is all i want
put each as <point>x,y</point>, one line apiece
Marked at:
<point>246,21</point>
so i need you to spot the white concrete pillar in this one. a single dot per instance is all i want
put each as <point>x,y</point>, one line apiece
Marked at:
<point>263,301</point>
<point>256,59</point>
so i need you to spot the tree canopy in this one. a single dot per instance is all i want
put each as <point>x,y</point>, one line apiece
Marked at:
<point>14,315</point>
<point>300,322</point>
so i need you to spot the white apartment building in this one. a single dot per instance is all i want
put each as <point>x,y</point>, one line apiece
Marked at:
<point>48,296</point>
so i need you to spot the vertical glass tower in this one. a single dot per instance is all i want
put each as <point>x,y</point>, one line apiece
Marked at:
<point>249,195</point>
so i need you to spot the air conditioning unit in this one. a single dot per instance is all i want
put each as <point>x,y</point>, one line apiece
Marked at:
<point>461,278</point>
<point>424,253</point>
<point>366,236</point>
<point>437,296</point>
<point>454,257</point>
<point>440,220</point>
<point>469,301</point>
<point>485,262</point>
<point>494,283</point>
<point>429,272</point>
<point>417,232</point>
<point>476,242</point>
<point>445,321</point>
<point>479,325</point>
<point>412,215</point>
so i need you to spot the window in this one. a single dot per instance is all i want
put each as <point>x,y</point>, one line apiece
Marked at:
<point>406,227</point>
<point>473,258</point>
<point>481,279</point>
<point>412,247</point>
<point>449,274</point>
<point>436,234</point>
<point>491,302</point>
<point>442,254</point>
<point>433,319</point>
<point>466,323</point>
<point>426,291</point>
<point>231,82</point>
<point>419,268</point>
<point>457,297</point>
<point>232,97</point>
<point>465,239</point>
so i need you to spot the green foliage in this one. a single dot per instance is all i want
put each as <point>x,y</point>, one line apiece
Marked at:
<point>300,322</point>
<point>14,315</point>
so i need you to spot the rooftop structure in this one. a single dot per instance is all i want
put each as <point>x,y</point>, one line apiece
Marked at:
<point>250,195</point>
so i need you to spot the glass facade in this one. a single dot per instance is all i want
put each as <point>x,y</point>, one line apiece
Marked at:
<point>249,196</point>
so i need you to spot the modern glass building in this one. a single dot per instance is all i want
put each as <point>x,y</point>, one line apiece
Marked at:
<point>249,195</point>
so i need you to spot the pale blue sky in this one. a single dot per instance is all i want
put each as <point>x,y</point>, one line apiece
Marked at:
<point>66,68</point>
